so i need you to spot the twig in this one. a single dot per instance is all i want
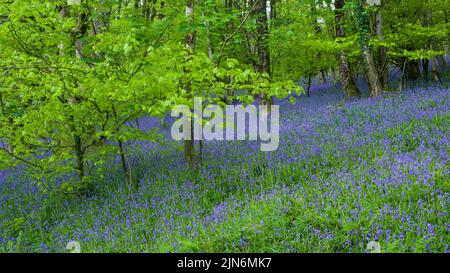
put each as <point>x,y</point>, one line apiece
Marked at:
<point>235,32</point>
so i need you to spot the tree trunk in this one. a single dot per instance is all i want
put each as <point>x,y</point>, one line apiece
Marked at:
<point>79,157</point>
<point>347,81</point>
<point>77,140</point>
<point>123,159</point>
<point>317,31</point>
<point>383,60</point>
<point>323,76</point>
<point>189,144</point>
<point>412,71</point>
<point>442,63</point>
<point>434,70</point>
<point>425,69</point>
<point>262,41</point>
<point>372,73</point>
<point>308,88</point>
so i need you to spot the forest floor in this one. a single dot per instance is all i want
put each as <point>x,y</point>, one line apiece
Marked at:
<point>345,174</point>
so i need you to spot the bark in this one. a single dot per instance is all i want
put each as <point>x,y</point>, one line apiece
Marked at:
<point>208,42</point>
<point>77,140</point>
<point>248,36</point>
<point>425,69</point>
<point>79,157</point>
<point>126,170</point>
<point>333,74</point>
<point>347,81</point>
<point>318,30</point>
<point>273,10</point>
<point>442,63</point>
<point>262,41</point>
<point>372,73</point>
<point>412,71</point>
<point>262,29</point>
<point>308,88</point>
<point>426,21</point>
<point>434,64</point>
<point>189,145</point>
<point>323,76</point>
<point>435,71</point>
<point>382,51</point>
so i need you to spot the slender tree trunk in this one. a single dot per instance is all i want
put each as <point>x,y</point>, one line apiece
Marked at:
<point>273,9</point>
<point>200,152</point>
<point>372,73</point>
<point>435,71</point>
<point>262,41</point>
<point>318,30</point>
<point>262,29</point>
<point>189,145</point>
<point>126,170</point>
<point>77,140</point>
<point>334,74</point>
<point>79,156</point>
<point>123,157</point>
<point>402,76</point>
<point>308,88</point>
<point>442,63</point>
<point>323,76</point>
<point>383,60</point>
<point>425,69</point>
<point>412,71</point>
<point>426,20</point>
<point>347,81</point>
<point>208,42</point>
<point>189,150</point>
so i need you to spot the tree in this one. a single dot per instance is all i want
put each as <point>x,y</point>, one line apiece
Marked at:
<point>72,99</point>
<point>263,44</point>
<point>347,81</point>
<point>189,145</point>
<point>364,17</point>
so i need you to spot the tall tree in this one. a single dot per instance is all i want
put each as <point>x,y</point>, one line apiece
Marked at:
<point>382,51</point>
<point>189,144</point>
<point>263,43</point>
<point>365,20</point>
<point>347,81</point>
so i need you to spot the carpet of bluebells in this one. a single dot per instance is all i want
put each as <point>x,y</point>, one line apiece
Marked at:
<point>345,174</point>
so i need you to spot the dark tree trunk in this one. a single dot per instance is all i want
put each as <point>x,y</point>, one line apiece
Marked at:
<point>347,81</point>
<point>79,157</point>
<point>412,71</point>
<point>425,69</point>
<point>123,159</point>
<point>323,76</point>
<point>308,88</point>
<point>189,150</point>
<point>189,145</point>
